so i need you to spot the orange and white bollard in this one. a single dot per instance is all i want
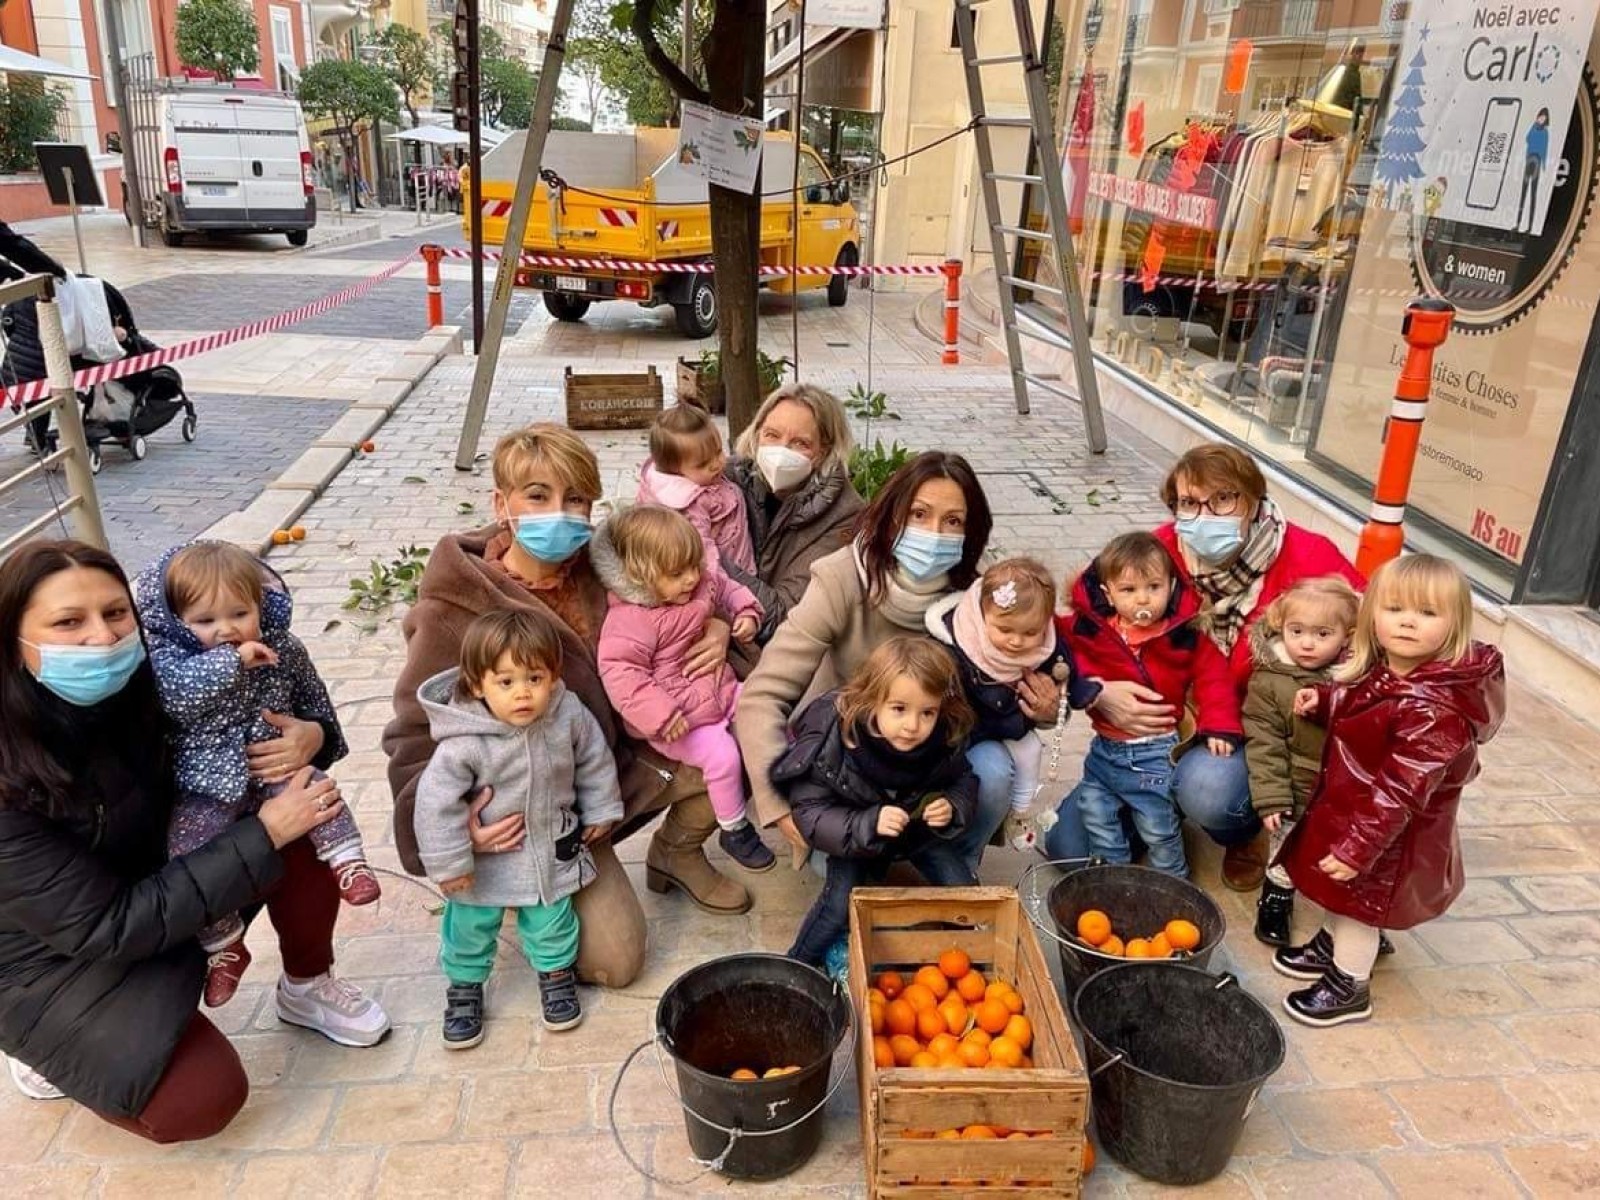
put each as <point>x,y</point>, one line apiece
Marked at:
<point>434,255</point>
<point>952,312</point>
<point>1427,324</point>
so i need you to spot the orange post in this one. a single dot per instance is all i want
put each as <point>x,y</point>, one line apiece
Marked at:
<point>434,255</point>
<point>952,312</point>
<point>1427,324</point>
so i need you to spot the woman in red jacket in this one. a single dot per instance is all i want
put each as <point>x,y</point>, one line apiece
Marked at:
<point>1236,550</point>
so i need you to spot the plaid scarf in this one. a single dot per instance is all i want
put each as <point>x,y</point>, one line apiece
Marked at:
<point>1230,592</point>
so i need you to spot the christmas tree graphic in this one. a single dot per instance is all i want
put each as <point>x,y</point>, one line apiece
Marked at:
<point>1402,142</point>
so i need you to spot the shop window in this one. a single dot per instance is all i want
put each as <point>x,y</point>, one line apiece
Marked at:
<point>1250,267</point>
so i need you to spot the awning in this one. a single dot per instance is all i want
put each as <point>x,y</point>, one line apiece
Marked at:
<point>20,62</point>
<point>432,135</point>
<point>820,39</point>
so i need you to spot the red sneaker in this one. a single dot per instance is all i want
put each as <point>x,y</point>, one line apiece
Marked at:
<point>357,884</point>
<point>224,969</point>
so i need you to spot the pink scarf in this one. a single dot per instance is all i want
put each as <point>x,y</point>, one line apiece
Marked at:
<point>974,642</point>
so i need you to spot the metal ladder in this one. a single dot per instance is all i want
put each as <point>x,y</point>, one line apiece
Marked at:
<point>1028,319</point>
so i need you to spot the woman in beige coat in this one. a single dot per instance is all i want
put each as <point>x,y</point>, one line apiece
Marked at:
<point>917,542</point>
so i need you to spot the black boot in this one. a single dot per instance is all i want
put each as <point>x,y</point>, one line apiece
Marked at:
<point>1385,946</point>
<point>1306,962</point>
<point>463,1016</point>
<point>1333,1000</point>
<point>745,847</point>
<point>558,996</point>
<point>1274,909</point>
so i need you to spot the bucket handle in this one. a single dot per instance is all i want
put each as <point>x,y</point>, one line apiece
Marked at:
<point>1119,1056</point>
<point>1032,898</point>
<point>1226,979</point>
<point>734,1132</point>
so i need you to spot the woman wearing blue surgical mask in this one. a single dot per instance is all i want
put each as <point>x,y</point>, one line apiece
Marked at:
<point>536,557</point>
<point>1233,545</point>
<point>792,464</point>
<point>918,542</point>
<point>97,929</point>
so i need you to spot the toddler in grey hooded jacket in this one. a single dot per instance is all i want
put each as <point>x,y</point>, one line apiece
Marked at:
<point>557,772</point>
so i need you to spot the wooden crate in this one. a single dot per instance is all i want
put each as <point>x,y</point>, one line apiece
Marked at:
<point>890,929</point>
<point>697,387</point>
<point>612,401</point>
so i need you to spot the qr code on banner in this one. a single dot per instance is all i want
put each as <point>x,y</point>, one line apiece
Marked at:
<point>1494,149</point>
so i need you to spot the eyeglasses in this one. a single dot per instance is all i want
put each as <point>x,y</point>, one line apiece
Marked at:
<point>1221,504</point>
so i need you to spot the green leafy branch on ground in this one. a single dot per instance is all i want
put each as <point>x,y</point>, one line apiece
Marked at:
<point>388,583</point>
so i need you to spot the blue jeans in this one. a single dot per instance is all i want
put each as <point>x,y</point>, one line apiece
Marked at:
<point>991,763</point>
<point>1212,792</point>
<point>829,919</point>
<point>1136,776</point>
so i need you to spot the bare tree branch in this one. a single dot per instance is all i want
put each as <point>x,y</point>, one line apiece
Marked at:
<point>644,15</point>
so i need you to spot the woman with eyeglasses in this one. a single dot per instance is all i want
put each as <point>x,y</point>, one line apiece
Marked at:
<point>1233,546</point>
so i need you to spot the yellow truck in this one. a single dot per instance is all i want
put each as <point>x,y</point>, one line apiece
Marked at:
<point>627,198</point>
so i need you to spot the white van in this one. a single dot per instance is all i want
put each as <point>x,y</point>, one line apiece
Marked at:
<point>220,159</point>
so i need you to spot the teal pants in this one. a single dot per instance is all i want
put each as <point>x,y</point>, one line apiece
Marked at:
<point>471,932</point>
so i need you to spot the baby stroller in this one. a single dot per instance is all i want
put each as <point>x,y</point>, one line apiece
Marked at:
<point>128,410</point>
<point>124,411</point>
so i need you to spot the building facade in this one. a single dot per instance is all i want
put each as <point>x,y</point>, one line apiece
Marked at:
<point>870,95</point>
<point>1262,186</point>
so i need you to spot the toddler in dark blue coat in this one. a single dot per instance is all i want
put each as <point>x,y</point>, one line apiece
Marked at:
<point>217,621</point>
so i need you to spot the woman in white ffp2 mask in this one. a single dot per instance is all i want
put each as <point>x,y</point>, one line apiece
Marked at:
<point>792,463</point>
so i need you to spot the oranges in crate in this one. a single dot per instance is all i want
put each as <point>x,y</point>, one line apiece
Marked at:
<point>948,1015</point>
<point>1175,937</point>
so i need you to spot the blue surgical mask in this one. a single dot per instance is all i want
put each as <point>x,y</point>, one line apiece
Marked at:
<point>923,555</point>
<point>86,675</point>
<point>553,537</point>
<point>1214,539</point>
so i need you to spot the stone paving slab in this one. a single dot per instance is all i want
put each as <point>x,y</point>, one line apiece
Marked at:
<point>1478,1077</point>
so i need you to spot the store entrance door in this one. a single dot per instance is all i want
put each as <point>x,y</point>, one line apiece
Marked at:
<point>1562,565</point>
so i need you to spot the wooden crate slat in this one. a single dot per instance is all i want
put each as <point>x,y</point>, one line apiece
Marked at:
<point>984,1192</point>
<point>900,949</point>
<point>1031,1104</point>
<point>990,1160</point>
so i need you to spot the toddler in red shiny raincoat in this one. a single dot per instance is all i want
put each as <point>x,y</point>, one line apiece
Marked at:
<point>1377,848</point>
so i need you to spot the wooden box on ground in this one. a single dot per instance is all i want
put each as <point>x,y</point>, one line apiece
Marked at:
<point>612,401</point>
<point>697,386</point>
<point>902,929</point>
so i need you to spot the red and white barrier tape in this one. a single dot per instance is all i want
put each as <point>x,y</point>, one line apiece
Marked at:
<point>38,389</point>
<point>682,268</point>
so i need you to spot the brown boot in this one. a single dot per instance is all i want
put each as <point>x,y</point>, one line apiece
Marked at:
<point>676,860</point>
<point>1245,866</point>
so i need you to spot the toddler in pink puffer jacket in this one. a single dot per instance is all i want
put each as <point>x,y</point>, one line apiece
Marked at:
<point>684,473</point>
<point>665,584</point>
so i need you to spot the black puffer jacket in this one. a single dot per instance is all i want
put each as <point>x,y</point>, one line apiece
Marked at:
<point>100,972</point>
<point>835,791</point>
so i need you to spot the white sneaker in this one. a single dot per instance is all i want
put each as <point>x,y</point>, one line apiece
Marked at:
<point>338,1010</point>
<point>32,1084</point>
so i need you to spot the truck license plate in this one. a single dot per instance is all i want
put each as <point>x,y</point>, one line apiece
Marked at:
<point>213,189</point>
<point>571,283</point>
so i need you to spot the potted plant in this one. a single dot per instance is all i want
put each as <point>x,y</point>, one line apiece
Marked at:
<point>701,382</point>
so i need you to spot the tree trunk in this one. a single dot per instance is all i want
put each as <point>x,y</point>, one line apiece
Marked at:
<point>735,62</point>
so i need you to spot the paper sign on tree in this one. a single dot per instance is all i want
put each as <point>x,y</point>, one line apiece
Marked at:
<point>720,147</point>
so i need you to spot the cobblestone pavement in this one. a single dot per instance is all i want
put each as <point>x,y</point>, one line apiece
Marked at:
<point>1479,1076</point>
<point>181,488</point>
